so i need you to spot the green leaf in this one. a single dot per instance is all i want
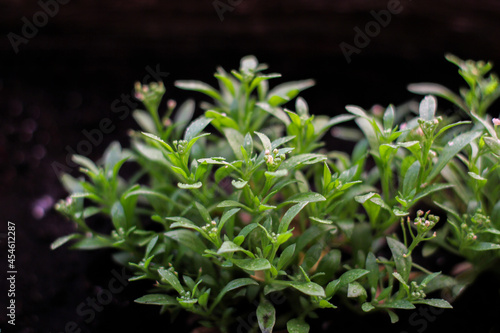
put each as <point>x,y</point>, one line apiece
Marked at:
<point>203,299</point>
<point>157,299</point>
<point>266,143</point>
<point>112,156</point>
<point>346,278</point>
<point>355,289</point>
<point>297,326</point>
<point>118,216</point>
<point>86,163</point>
<point>234,284</point>
<point>484,246</point>
<point>297,161</point>
<point>447,127</point>
<point>189,186</point>
<point>160,141</point>
<point>308,288</point>
<point>289,216</point>
<point>146,192</point>
<point>236,140</point>
<point>203,212</point>
<point>431,189</point>
<point>92,243</point>
<point>286,256</point>
<point>196,127</point>
<point>284,92</point>
<point>221,119</point>
<point>151,245</point>
<point>182,222</point>
<point>372,202</point>
<point>239,184</point>
<point>399,304</point>
<point>480,180</point>
<point>145,121</point>
<point>294,117</point>
<point>171,279</point>
<point>226,216</point>
<point>394,317</point>
<point>357,111</point>
<point>389,117</point>
<point>403,262</point>
<point>322,221</point>
<point>275,111</point>
<point>183,115</point>
<point>435,302</point>
<point>438,90</point>
<point>188,239</point>
<point>259,264</point>
<point>230,247</point>
<point>386,150</point>
<point>324,304</point>
<point>452,148</point>
<point>493,144</point>
<point>277,173</point>
<point>266,315</point>
<point>305,197</point>
<point>232,203</point>
<point>404,285</point>
<point>373,275</point>
<point>367,307</point>
<point>411,178</point>
<point>429,278</point>
<point>200,87</point>
<point>63,240</point>
<point>427,108</point>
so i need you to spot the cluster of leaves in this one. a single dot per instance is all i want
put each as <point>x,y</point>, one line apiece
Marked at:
<point>225,220</point>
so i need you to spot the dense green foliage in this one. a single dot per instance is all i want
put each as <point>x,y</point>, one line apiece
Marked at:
<point>244,202</point>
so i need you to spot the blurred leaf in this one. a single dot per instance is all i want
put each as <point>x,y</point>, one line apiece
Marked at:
<point>157,299</point>
<point>403,262</point>
<point>427,108</point>
<point>266,315</point>
<point>297,326</point>
<point>171,279</point>
<point>452,148</point>
<point>196,127</point>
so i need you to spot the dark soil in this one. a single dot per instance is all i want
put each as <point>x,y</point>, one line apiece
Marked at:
<point>86,58</point>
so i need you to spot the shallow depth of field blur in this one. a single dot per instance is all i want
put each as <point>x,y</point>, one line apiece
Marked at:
<point>78,66</point>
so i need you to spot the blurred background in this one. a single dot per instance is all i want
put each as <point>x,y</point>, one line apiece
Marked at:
<point>67,64</point>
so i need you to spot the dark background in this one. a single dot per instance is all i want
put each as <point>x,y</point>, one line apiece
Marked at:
<point>66,77</point>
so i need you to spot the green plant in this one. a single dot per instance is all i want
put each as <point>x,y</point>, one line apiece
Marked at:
<point>219,221</point>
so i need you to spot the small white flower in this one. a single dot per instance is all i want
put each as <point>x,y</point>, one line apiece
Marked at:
<point>171,104</point>
<point>496,121</point>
